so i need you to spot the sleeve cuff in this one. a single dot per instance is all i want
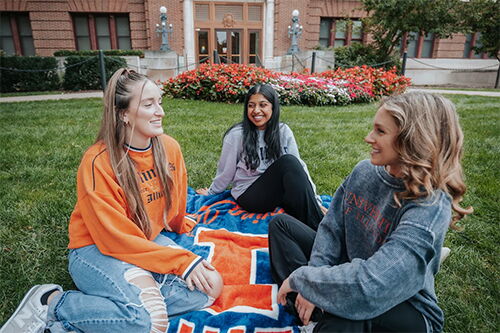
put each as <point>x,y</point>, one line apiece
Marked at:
<point>191,266</point>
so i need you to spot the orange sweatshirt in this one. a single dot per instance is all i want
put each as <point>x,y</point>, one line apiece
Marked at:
<point>100,216</point>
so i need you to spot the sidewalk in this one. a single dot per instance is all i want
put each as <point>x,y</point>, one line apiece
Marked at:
<point>461,92</point>
<point>90,94</point>
<point>100,94</point>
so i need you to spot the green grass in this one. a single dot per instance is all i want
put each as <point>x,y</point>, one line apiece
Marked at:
<point>41,144</point>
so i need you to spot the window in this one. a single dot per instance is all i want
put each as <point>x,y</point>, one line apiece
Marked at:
<point>340,32</point>
<point>15,34</point>
<point>471,41</point>
<point>418,45</point>
<point>102,31</point>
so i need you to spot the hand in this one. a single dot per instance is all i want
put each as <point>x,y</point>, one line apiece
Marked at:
<point>202,278</point>
<point>284,290</point>
<point>323,209</point>
<point>202,191</point>
<point>304,308</point>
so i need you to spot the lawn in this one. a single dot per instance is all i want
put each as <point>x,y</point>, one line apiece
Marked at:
<point>41,144</point>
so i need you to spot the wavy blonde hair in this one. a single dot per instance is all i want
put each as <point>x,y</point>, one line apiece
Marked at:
<point>121,88</point>
<point>429,144</point>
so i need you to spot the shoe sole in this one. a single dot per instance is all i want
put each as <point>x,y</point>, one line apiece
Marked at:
<point>23,302</point>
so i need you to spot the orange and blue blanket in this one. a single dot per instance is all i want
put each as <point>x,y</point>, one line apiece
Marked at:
<point>235,242</point>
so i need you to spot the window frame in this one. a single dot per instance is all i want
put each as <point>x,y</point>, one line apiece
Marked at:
<point>419,44</point>
<point>91,19</point>
<point>473,43</point>
<point>347,40</point>
<point>13,18</point>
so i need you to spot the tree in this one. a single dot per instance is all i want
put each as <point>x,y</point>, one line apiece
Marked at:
<point>483,16</point>
<point>389,20</point>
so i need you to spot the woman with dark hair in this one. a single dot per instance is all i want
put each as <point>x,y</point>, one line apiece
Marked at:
<point>261,160</point>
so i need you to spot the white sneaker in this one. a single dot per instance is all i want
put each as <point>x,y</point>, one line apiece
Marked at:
<point>30,316</point>
<point>445,252</point>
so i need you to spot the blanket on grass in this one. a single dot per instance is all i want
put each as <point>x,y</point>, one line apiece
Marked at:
<point>235,242</point>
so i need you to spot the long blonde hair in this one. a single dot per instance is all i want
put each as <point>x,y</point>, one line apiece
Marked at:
<point>429,144</point>
<point>119,92</point>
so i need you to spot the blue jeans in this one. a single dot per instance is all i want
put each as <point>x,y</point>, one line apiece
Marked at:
<point>111,298</point>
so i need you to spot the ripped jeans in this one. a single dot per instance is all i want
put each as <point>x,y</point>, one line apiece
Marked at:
<point>115,296</point>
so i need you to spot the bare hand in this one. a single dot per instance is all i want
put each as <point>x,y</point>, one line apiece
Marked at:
<point>202,191</point>
<point>201,278</point>
<point>323,209</point>
<point>284,290</point>
<point>304,308</point>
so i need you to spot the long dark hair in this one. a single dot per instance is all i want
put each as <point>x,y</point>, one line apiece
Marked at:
<point>250,131</point>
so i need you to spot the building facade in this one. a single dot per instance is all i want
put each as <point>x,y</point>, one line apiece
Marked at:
<point>242,31</point>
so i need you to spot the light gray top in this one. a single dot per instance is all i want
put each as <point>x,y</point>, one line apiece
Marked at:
<point>232,169</point>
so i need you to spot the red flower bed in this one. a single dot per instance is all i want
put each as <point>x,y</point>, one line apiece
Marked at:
<point>229,83</point>
<point>380,81</point>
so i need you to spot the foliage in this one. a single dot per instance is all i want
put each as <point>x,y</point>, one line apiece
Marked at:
<point>34,74</point>
<point>217,82</point>
<point>377,80</point>
<point>230,83</point>
<point>388,20</point>
<point>41,144</point>
<point>358,54</point>
<point>67,53</point>
<point>82,73</point>
<point>483,16</point>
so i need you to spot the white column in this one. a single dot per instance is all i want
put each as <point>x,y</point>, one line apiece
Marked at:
<point>189,34</point>
<point>269,34</point>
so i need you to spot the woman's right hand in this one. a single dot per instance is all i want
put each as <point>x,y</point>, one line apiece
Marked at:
<point>205,278</point>
<point>202,191</point>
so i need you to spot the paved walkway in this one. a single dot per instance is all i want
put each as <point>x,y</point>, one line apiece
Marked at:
<point>99,94</point>
<point>52,97</point>
<point>461,92</point>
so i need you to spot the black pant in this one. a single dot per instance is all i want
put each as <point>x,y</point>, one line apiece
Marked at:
<point>290,246</point>
<point>284,184</point>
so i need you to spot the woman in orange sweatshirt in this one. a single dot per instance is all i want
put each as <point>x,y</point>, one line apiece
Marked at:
<point>131,184</point>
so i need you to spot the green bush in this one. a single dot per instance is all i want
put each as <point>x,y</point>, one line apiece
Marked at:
<point>67,53</point>
<point>358,54</point>
<point>20,73</point>
<point>82,73</point>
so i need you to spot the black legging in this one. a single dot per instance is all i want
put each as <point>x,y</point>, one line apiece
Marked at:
<point>284,184</point>
<point>290,246</point>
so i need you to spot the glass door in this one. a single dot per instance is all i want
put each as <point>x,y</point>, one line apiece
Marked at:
<point>228,45</point>
<point>203,50</point>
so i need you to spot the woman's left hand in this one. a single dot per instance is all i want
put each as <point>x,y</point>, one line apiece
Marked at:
<point>284,290</point>
<point>304,308</point>
<point>202,191</point>
<point>323,209</point>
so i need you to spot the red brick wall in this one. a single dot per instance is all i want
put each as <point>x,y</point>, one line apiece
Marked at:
<point>53,29</point>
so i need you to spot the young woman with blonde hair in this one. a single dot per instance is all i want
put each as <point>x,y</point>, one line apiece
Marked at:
<point>131,185</point>
<point>370,267</point>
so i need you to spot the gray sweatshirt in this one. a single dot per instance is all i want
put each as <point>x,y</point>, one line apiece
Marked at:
<point>231,168</point>
<point>370,255</point>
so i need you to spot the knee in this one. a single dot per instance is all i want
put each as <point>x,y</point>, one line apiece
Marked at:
<point>290,161</point>
<point>217,284</point>
<point>278,224</point>
<point>154,307</point>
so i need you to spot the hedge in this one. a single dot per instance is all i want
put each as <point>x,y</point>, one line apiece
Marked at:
<point>82,73</point>
<point>68,53</point>
<point>30,74</point>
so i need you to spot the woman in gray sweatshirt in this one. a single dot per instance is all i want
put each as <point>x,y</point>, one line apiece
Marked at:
<point>261,160</point>
<point>371,264</point>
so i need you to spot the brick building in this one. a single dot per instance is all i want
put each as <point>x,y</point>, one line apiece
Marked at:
<point>243,31</point>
